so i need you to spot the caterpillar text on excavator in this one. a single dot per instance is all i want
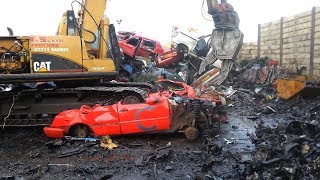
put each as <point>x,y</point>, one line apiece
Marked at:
<point>44,75</point>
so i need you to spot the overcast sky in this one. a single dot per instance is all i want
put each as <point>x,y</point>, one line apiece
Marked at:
<point>153,18</point>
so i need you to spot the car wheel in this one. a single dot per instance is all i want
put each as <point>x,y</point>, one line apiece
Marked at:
<point>191,133</point>
<point>80,131</point>
<point>182,48</point>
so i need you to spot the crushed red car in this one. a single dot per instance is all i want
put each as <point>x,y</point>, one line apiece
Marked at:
<point>167,87</point>
<point>169,57</point>
<point>157,114</point>
<point>138,45</point>
<point>123,35</point>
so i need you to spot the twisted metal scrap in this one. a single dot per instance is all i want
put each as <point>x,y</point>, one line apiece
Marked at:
<point>225,45</point>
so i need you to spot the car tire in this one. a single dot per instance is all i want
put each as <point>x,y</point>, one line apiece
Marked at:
<point>191,133</point>
<point>80,131</point>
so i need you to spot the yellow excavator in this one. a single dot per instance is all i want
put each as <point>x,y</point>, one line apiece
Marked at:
<point>84,48</point>
<point>44,75</point>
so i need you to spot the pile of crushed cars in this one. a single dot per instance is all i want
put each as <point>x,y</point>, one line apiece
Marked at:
<point>175,106</point>
<point>145,59</point>
<point>286,137</point>
<point>181,103</point>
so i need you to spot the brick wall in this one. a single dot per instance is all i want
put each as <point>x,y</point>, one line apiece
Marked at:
<point>293,36</point>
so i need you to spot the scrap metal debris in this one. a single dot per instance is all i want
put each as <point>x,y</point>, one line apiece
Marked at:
<point>82,139</point>
<point>283,155</point>
<point>261,71</point>
<point>70,152</point>
<point>298,85</point>
<point>55,143</point>
<point>279,145</point>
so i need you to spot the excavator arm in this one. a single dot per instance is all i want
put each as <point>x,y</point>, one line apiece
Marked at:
<point>94,26</point>
<point>90,16</point>
<point>226,41</point>
<point>91,25</point>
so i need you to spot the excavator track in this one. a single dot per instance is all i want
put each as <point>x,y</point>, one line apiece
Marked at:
<point>38,107</point>
<point>143,85</point>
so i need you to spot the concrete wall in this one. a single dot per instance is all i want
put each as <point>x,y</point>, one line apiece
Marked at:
<point>293,36</point>
<point>317,42</point>
<point>248,51</point>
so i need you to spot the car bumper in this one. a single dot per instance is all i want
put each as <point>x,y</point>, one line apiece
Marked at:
<point>54,132</point>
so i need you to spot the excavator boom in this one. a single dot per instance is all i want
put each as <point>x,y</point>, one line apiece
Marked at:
<point>91,14</point>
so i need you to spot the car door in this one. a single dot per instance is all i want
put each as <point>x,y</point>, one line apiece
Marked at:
<point>129,46</point>
<point>146,48</point>
<point>103,120</point>
<point>143,117</point>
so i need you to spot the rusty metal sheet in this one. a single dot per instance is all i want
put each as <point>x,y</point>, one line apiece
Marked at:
<point>306,86</point>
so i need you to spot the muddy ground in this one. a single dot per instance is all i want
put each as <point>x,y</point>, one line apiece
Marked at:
<point>254,144</point>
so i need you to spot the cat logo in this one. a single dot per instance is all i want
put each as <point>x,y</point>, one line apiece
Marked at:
<point>41,66</point>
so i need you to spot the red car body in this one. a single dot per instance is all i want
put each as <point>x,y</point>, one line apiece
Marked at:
<point>179,88</point>
<point>168,58</point>
<point>117,119</point>
<point>138,45</point>
<point>157,114</point>
<point>123,35</point>
<point>183,89</point>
